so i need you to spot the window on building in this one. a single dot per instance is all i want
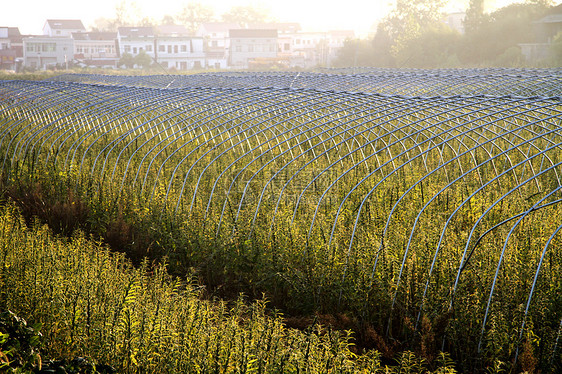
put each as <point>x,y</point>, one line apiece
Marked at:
<point>161,48</point>
<point>175,49</point>
<point>298,41</point>
<point>148,48</point>
<point>214,43</point>
<point>169,49</point>
<point>127,48</point>
<point>135,51</point>
<point>48,47</point>
<point>183,65</point>
<point>238,48</point>
<point>286,46</point>
<point>250,48</point>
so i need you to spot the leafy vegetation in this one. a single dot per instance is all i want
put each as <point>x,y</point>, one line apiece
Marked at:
<point>422,224</point>
<point>90,302</point>
<point>415,36</point>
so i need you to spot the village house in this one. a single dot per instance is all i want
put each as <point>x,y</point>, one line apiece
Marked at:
<point>177,49</point>
<point>41,52</point>
<point>545,30</point>
<point>62,28</point>
<point>217,42</point>
<point>11,48</point>
<point>96,49</point>
<point>253,48</point>
<point>133,40</point>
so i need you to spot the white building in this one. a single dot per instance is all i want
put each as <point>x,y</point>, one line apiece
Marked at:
<point>177,49</point>
<point>253,48</point>
<point>133,40</point>
<point>96,48</point>
<point>217,42</point>
<point>62,27</point>
<point>10,48</point>
<point>40,52</point>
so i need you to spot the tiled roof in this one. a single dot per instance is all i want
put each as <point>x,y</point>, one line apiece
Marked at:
<point>172,30</point>
<point>94,35</point>
<point>135,31</point>
<point>220,26</point>
<point>253,33</point>
<point>67,24</point>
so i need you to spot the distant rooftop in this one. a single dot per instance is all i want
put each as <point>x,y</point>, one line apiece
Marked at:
<point>220,26</point>
<point>172,30</point>
<point>66,24</point>
<point>253,33</point>
<point>135,31</point>
<point>94,35</point>
<point>282,27</point>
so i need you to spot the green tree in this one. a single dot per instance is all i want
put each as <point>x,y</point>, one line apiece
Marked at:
<point>355,52</point>
<point>168,20</point>
<point>435,48</point>
<point>499,32</point>
<point>143,59</point>
<point>194,14</point>
<point>556,50</point>
<point>409,19</point>
<point>128,60</point>
<point>475,16</point>
<point>245,15</point>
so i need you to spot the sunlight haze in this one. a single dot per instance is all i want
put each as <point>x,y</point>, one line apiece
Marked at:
<point>316,15</point>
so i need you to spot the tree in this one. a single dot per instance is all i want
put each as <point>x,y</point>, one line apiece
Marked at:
<point>355,52</point>
<point>128,60</point>
<point>474,16</point>
<point>126,13</point>
<point>499,32</point>
<point>168,20</point>
<point>409,19</point>
<point>245,15</point>
<point>194,14</point>
<point>143,60</point>
<point>556,50</point>
<point>436,47</point>
<point>382,46</point>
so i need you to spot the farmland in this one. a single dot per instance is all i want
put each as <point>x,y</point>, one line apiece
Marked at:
<point>419,209</point>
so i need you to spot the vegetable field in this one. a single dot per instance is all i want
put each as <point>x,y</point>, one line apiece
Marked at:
<point>424,205</point>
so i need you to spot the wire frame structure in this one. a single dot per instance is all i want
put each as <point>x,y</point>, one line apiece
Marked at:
<point>405,194</point>
<point>446,82</point>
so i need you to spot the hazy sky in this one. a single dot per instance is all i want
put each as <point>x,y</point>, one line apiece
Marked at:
<point>358,15</point>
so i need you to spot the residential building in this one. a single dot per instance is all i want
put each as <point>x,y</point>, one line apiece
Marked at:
<point>253,48</point>
<point>40,52</point>
<point>216,42</point>
<point>177,49</point>
<point>545,30</point>
<point>96,48</point>
<point>62,28</point>
<point>11,48</point>
<point>312,48</point>
<point>133,40</point>
<point>335,41</point>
